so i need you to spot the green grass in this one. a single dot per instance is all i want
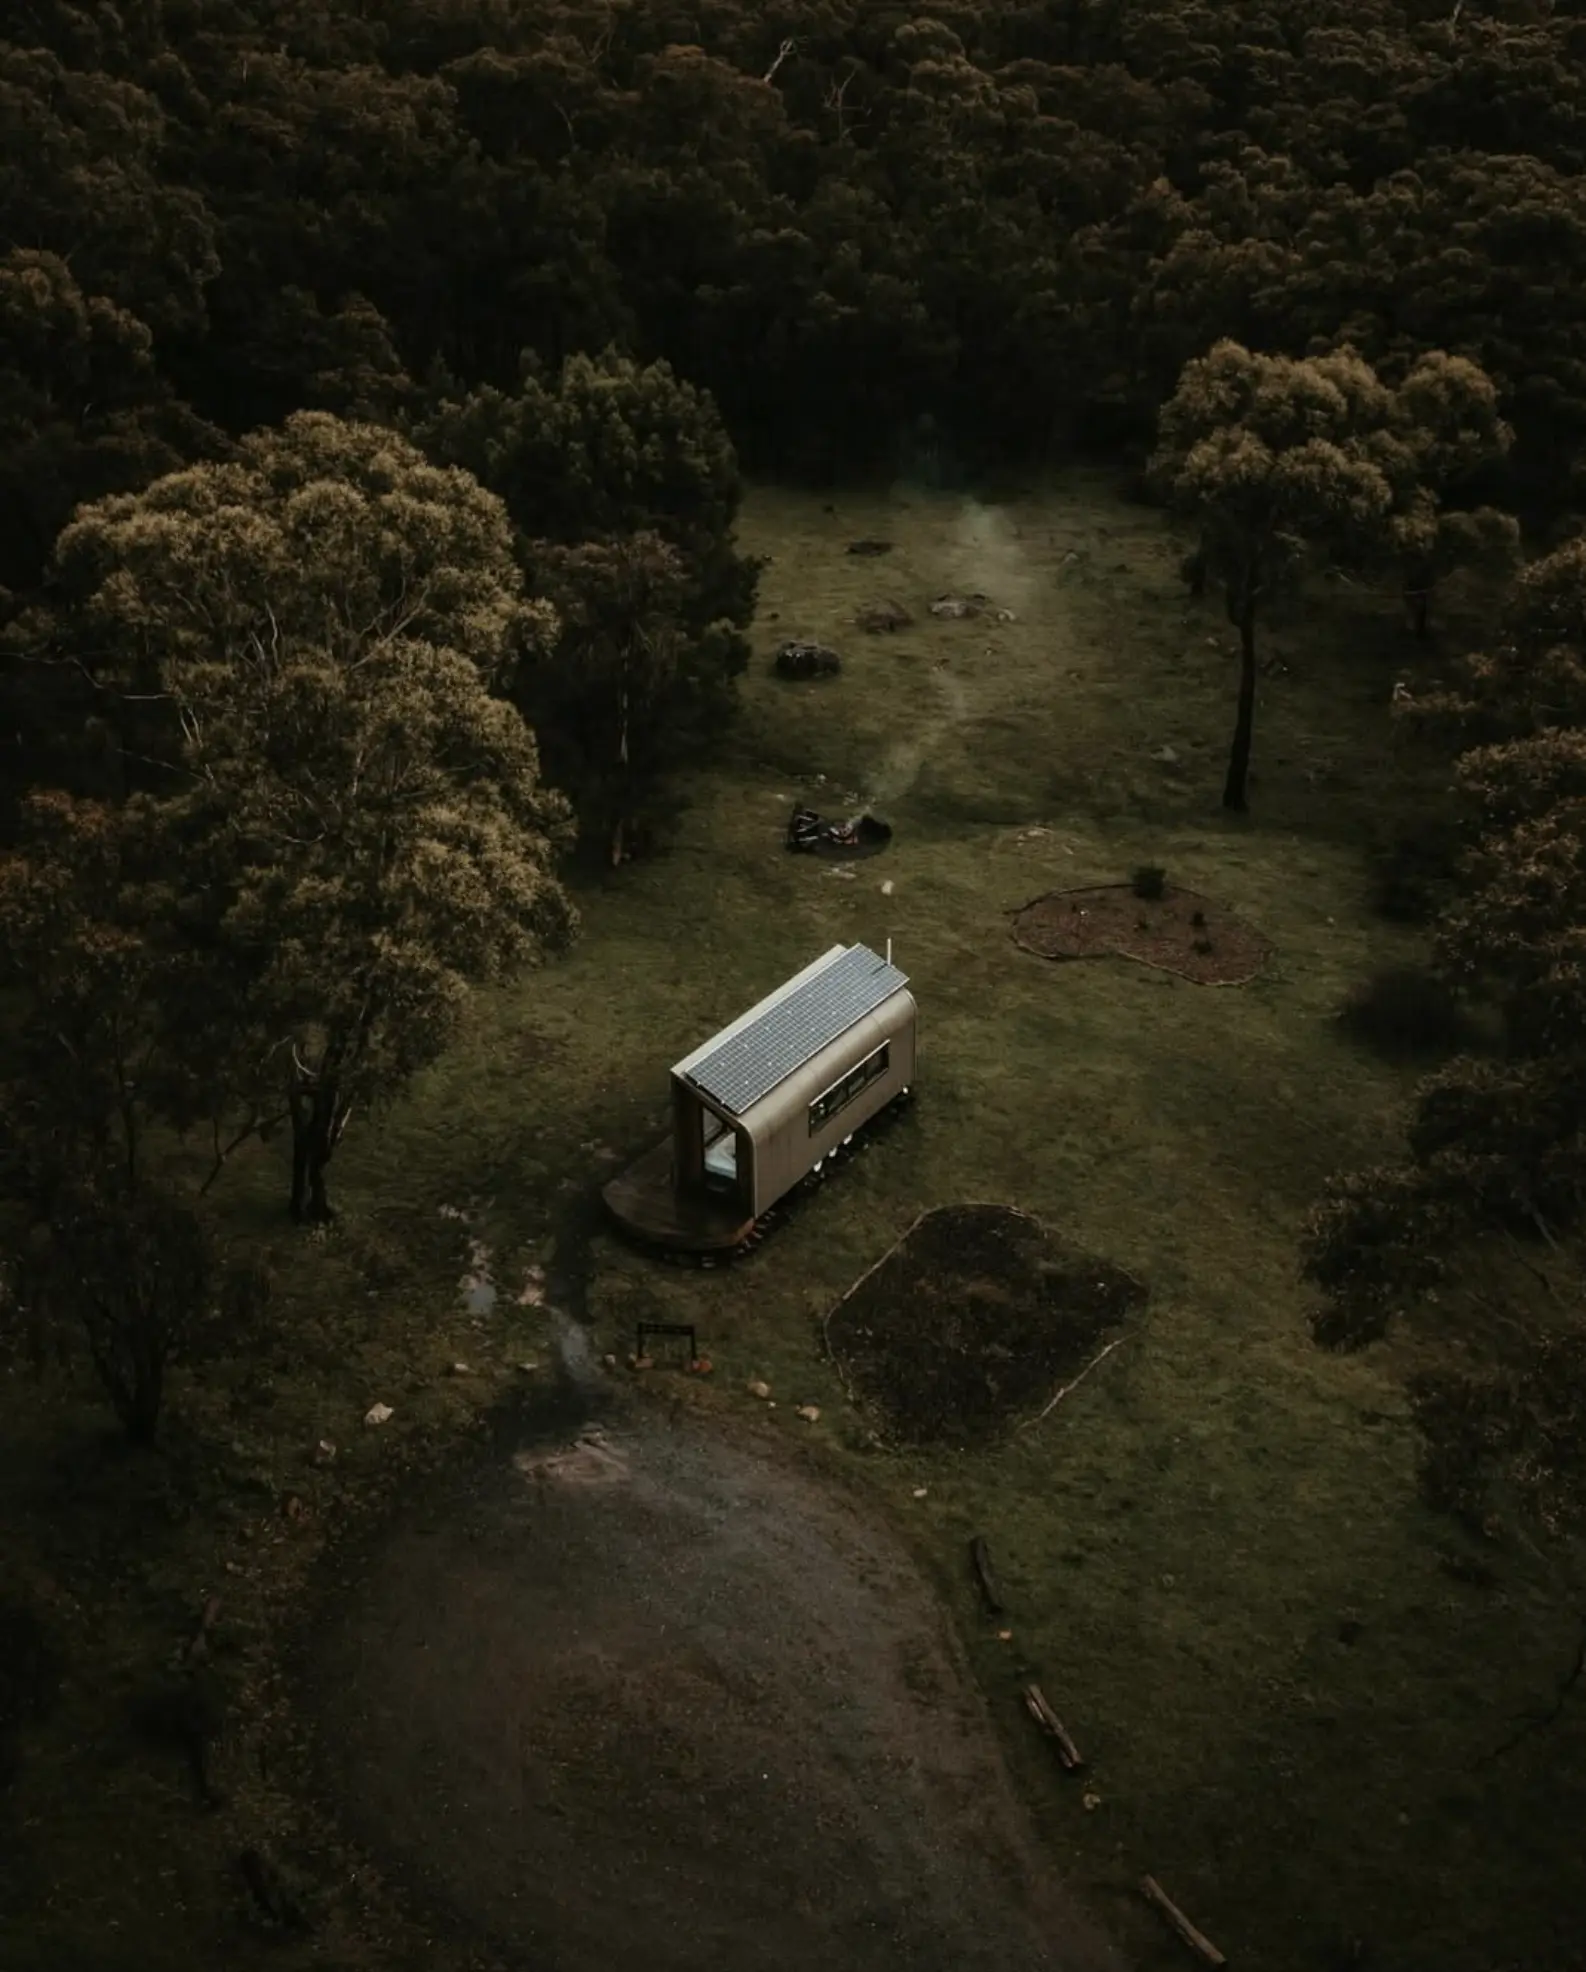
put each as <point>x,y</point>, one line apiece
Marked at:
<point>1180,1540</point>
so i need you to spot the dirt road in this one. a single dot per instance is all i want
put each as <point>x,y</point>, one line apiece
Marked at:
<point>669,1703</point>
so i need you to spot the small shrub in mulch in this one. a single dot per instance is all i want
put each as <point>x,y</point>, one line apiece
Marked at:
<point>973,1319</point>
<point>1183,933</point>
<point>1405,1011</point>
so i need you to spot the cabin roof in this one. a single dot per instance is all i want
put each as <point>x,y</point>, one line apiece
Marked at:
<point>775,1038</point>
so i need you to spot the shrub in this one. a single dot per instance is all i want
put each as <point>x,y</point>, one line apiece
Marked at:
<point>1198,919</point>
<point>1405,1011</point>
<point>1149,881</point>
<point>1414,872</point>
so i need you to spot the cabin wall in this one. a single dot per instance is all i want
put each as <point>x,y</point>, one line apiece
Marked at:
<point>784,1149</point>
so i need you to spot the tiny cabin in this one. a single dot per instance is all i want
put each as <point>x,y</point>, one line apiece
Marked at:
<point>769,1098</point>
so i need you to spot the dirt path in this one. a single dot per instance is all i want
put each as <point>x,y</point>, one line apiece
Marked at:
<point>672,1704</point>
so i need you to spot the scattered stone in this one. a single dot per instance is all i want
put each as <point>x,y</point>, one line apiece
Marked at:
<point>886,888</point>
<point>797,659</point>
<point>610,1361</point>
<point>869,545</point>
<point>378,1414</point>
<point>757,1388</point>
<point>957,607</point>
<point>877,618</point>
<point>324,1452</point>
<point>1167,755</point>
<point>809,1412</point>
<point>458,1369</point>
<point>527,1369</point>
<point>920,1492</point>
<point>1004,616</point>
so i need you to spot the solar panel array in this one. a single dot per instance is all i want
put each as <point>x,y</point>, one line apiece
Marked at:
<point>749,1064</point>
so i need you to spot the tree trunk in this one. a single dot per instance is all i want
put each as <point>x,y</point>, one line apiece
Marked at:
<point>314,1136</point>
<point>148,1387</point>
<point>1235,787</point>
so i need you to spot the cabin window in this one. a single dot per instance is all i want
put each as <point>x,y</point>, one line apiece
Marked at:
<point>840,1094</point>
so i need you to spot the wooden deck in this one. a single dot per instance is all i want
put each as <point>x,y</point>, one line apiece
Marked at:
<point>642,1200</point>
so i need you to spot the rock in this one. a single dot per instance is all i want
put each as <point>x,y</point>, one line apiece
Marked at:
<point>757,1388</point>
<point>798,659</point>
<point>458,1369</point>
<point>378,1414</point>
<point>1004,616</point>
<point>920,1492</point>
<point>886,888</point>
<point>869,545</point>
<point>883,616</point>
<point>526,1369</point>
<point>610,1361</point>
<point>1167,756</point>
<point>956,607</point>
<point>324,1452</point>
<point>809,1412</point>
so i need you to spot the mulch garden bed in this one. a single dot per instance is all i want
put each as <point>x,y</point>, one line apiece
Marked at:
<point>1180,931</point>
<point>971,1321</point>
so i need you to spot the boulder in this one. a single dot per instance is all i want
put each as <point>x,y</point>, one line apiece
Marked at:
<point>796,659</point>
<point>961,606</point>
<point>876,617</point>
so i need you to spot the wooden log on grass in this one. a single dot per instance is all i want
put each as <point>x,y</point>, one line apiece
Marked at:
<point>990,1588</point>
<point>1035,1704</point>
<point>1197,1941</point>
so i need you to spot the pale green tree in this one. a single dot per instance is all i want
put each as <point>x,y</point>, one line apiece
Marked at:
<point>1274,460</point>
<point>354,826</point>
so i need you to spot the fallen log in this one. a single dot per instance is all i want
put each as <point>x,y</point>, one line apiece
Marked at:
<point>1043,1715</point>
<point>1197,1941</point>
<point>198,1643</point>
<point>990,1588</point>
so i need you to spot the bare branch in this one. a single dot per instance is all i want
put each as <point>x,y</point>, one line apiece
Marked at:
<point>782,54</point>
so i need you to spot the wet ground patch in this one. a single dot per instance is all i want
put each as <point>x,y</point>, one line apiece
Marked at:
<point>972,1321</point>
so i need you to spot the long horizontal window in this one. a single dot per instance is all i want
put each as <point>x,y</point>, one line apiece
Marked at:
<point>840,1094</point>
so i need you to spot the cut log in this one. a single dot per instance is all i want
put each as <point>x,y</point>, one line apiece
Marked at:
<point>990,1588</point>
<point>1197,1941</point>
<point>1051,1724</point>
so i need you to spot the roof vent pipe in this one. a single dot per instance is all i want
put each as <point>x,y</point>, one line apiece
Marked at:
<point>889,951</point>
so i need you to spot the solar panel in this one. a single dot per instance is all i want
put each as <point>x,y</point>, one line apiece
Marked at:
<point>749,1064</point>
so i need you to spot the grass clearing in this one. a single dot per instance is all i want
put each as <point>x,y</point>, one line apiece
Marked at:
<point>1180,1541</point>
